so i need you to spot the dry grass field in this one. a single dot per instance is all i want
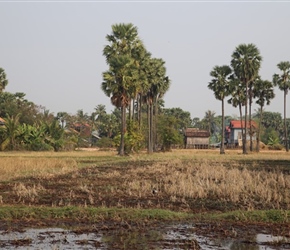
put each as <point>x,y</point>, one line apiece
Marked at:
<point>181,180</point>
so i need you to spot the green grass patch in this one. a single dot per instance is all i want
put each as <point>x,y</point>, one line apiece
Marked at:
<point>271,216</point>
<point>92,214</point>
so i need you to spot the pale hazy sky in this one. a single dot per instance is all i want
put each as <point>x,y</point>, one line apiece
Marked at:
<point>52,51</point>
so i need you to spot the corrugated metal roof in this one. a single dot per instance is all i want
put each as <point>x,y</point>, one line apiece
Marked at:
<point>195,132</point>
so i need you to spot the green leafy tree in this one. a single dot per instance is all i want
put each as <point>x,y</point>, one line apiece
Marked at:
<point>220,86</point>
<point>246,63</point>
<point>168,132</point>
<point>183,119</point>
<point>13,104</point>
<point>283,83</point>
<point>54,135</point>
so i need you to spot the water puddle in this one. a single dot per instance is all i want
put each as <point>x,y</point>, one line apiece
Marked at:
<point>50,238</point>
<point>170,237</point>
<point>258,242</point>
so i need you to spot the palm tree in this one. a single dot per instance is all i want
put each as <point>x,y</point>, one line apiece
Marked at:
<point>143,69</point>
<point>100,114</point>
<point>210,121</point>
<point>246,62</point>
<point>116,83</point>
<point>220,86</point>
<point>283,82</point>
<point>11,131</point>
<point>158,85</point>
<point>118,80</point>
<point>238,98</point>
<point>263,90</point>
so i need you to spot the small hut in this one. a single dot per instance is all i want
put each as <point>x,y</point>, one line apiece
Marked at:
<point>195,138</point>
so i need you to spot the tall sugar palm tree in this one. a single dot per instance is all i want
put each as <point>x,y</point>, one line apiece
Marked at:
<point>238,98</point>
<point>116,84</point>
<point>159,84</point>
<point>283,83</point>
<point>246,63</point>
<point>118,81</point>
<point>220,86</point>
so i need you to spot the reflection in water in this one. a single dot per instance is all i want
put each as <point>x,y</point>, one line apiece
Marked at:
<point>168,237</point>
<point>50,238</point>
<point>131,239</point>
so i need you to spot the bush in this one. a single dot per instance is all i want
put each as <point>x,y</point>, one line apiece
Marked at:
<point>275,147</point>
<point>105,142</point>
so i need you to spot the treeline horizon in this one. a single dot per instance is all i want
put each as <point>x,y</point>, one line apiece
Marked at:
<point>136,83</point>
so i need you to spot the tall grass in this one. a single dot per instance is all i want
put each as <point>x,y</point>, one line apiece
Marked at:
<point>205,180</point>
<point>16,167</point>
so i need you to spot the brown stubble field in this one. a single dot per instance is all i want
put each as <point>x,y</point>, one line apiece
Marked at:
<point>182,180</point>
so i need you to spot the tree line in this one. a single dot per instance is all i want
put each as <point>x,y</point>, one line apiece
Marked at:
<point>136,83</point>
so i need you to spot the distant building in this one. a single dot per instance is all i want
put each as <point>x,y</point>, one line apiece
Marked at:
<point>83,129</point>
<point>195,138</point>
<point>233,132</point>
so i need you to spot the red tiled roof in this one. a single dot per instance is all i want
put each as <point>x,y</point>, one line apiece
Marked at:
<point>237,124</point>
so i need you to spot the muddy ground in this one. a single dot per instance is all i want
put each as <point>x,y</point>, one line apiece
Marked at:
<point>101,186</point>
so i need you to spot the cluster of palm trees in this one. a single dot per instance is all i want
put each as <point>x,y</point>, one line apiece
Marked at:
<point>133,79</point>
<point>242,82</point>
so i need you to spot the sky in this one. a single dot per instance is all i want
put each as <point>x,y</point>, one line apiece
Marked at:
<point>52,50</point>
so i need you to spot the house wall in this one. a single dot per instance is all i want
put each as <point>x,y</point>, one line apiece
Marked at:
<point>196,142</point>
<point>234,136</point>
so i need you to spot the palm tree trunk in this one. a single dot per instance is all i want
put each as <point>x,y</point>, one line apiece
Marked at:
<point>285,124</point>
<point>123,130</point>
<point>250,119</point>
<point>222,148</point>
<point>151,128</point>
<point>246,114</point>
<point>139,111</point>
<point>241,119</point>
<point>133,109</point>
<point>130,110</point>
<point>155,145</point>
<point>259,131</point>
